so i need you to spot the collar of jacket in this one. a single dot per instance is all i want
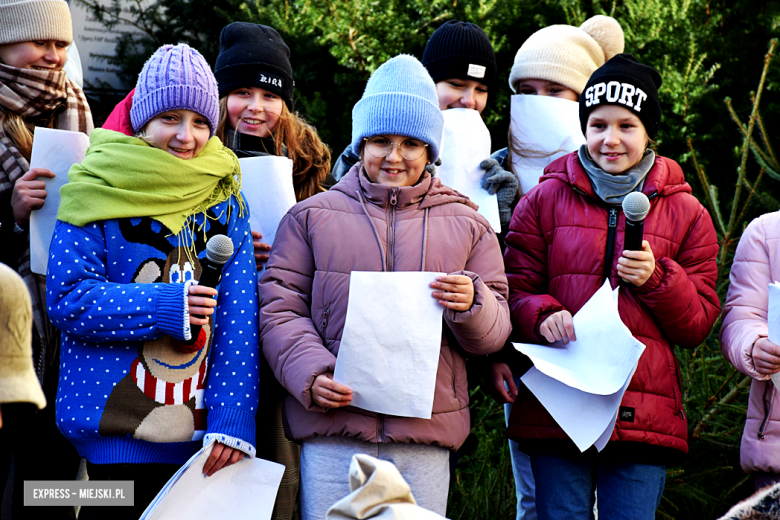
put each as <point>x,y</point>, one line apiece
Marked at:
<point>428,192</point>
<point>665,177</point>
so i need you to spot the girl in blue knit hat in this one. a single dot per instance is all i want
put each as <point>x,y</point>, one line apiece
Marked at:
<point>152,366</point>
<point>386,214</point>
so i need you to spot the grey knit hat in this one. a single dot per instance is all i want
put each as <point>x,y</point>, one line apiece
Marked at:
<point>33,20</point>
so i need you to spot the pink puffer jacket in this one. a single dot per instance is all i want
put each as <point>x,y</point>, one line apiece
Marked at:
<point>362,226</point>
<point>756,265</point>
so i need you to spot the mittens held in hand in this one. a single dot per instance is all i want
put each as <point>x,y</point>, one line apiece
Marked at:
<point>501,183</point>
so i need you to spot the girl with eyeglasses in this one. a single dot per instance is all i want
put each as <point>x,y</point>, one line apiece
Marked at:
<point>386,214</point>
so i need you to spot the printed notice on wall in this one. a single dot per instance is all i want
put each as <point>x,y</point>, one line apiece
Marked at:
<point>93,38</point>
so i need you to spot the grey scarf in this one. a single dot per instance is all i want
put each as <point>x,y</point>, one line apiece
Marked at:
<point>612,189</point>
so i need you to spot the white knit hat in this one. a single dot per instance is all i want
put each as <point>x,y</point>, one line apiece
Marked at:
<point>568,55</point>
<point>33,20</point>
<point>18,382</point>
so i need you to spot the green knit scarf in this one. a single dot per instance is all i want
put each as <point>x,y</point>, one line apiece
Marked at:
<point>123,176</point>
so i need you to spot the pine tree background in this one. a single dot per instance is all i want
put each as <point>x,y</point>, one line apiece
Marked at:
<point>716,62</point>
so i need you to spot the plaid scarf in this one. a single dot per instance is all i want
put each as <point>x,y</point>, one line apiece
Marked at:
<point>37,94</point>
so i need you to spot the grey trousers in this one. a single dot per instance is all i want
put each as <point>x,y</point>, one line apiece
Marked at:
<point>325,472</point>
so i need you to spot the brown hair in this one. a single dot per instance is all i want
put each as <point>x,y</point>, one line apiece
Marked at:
<point>20,131</point>
<point>310,156</point>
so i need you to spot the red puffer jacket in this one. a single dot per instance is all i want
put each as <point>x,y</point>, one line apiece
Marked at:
<point>555,257</point>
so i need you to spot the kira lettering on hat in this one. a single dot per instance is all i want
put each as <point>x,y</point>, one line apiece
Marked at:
<point>400,99</point>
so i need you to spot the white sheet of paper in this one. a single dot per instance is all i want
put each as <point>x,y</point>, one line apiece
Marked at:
<point>603,355</point>
<point>466,143</point>
<point>587,419</point>
<point>57,151</point>
<point>773,320</point>
<point>389,352</point>
<point>243,491</point>
<point>543,125</point>
<point>267,186</point>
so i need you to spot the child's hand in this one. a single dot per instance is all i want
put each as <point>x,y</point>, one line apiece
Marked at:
<point>500,373</point>
<point>766,357</point>
<point>221,456</point>
<point>558,327</point>
<point>29,194</point>
<point>327,393</point>
<point>459,292</point>
<point>201,303</point>
<point>261,250</point>
<point>637,266</point>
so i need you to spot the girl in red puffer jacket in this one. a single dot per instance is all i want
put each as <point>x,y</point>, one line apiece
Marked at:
<point>565,236</point>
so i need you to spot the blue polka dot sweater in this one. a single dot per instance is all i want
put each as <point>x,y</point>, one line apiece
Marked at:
<point>128,392</point>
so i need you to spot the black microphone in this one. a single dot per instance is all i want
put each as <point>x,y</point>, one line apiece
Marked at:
<point>219,249</point>
<point>636,206</point>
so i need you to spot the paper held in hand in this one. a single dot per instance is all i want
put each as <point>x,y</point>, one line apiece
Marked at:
<point>582,384</point>
<point>466,143</point>
<point>245,490</point>
<point>389,352</point>
<point>55,150</point>
<point>267,186</point>
<point>773,320</point>
<point>543,129</point>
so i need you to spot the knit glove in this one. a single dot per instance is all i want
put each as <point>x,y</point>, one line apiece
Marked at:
<point>501,183</point>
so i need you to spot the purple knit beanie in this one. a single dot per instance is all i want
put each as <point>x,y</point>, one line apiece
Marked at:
<point>175,77</point>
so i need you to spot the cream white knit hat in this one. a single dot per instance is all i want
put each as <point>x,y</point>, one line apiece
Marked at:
<point>568,55</point>
<point>18,382</point>
<point>32,20</point>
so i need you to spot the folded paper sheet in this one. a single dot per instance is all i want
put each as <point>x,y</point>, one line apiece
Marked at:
<point>465,144</point>
<point>268,188</point>
<point>574,382</point>
<point>773,319</point>
<point>545,128</point>
<point>389,351</point>
<point>246,490</point>
<point>57,151</point>
<point>585,364</point>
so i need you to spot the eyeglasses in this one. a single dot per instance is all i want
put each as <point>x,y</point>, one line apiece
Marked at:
<point>379,146</point>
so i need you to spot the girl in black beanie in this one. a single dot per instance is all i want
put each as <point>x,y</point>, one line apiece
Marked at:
<point>256,114</point>
<point>256,118</point>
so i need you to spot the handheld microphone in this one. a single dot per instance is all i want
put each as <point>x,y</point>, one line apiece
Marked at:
<point>636,206</point>
<point>219,249</point>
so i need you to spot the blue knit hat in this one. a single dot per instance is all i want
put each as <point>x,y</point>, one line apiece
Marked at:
<point>400,99</point>
<point>176,77</point>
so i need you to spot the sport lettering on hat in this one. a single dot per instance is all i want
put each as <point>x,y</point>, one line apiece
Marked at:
<point>615,93</point>
<point>476,71</point>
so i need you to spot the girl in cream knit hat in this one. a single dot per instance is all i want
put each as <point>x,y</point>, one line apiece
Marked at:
<point>556,62</point>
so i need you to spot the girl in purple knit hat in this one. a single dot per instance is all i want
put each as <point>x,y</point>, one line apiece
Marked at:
<point>140,390</point>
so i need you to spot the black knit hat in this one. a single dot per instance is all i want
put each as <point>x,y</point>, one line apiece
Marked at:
<point>623,81</point>
<point>460,50</point>
<point>252,55</point>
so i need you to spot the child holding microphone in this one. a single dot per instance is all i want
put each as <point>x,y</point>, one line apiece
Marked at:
<point>566,235</point>
<point>140,391</point>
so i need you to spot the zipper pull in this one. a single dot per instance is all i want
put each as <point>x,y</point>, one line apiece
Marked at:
<point>393,196</point>
<point>682,412</point>
<point>613,217</point>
